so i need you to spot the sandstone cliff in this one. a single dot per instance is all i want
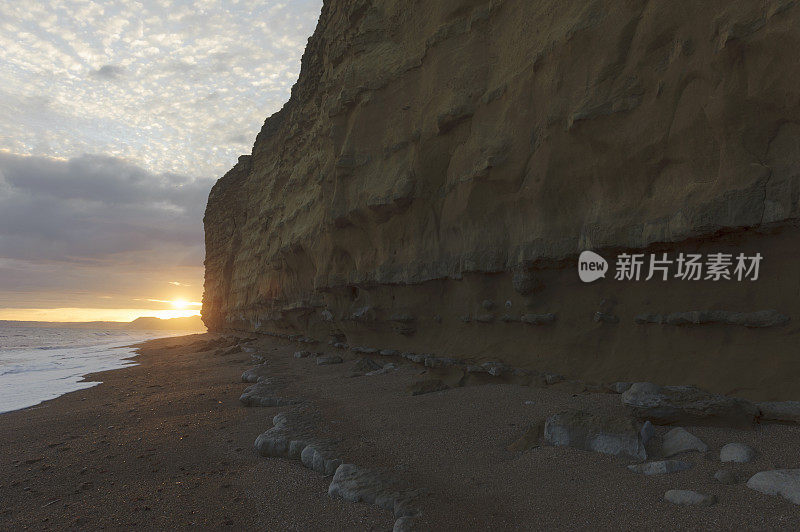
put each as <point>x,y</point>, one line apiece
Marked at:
<point>440,165</point>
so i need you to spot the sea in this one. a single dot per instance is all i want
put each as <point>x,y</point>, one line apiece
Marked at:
<point>41,363</point>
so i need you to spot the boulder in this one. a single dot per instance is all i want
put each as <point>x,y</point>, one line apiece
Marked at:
<point>781,482</point>
<point>358,484</point>
<point>666,405</point>
<point>593,432</point>
<point>736,452</point>
<point>780,411</point>
<point>679,440</point>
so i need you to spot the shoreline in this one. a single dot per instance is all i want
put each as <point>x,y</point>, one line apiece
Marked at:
<point>149,448</point>
<point>168,444</point>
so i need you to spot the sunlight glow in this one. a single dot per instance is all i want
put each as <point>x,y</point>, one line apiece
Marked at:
<point>90,314</point>
<point>180,303</point>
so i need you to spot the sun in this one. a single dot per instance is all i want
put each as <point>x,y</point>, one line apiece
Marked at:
<point>180,304</point>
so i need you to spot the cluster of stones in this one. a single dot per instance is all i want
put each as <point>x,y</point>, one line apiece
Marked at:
<point>295,436</point>
<point>630,439</point>
<point>620,437</point>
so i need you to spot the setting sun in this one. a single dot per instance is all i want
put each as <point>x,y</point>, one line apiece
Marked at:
<point>180,303</point>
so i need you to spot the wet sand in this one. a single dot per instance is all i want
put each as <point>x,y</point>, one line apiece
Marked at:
<point>166,444</point>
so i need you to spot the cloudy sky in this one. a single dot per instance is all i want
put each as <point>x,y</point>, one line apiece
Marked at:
<point>116,117</point>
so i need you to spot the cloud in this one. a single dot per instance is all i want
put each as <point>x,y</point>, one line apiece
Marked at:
<point>108,72</point>
<point>85,223</point>
<point>169,94</point>
<point>152,70</point>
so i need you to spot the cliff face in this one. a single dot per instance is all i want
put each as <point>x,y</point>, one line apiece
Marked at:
<point>440,165</point>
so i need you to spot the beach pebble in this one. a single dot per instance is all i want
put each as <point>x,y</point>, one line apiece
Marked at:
<point>689,498</point>
<point>679,440</point>
<point>661,467</point>
<point>782,482</point>
<point>726,476</point>
<point>736,452</point>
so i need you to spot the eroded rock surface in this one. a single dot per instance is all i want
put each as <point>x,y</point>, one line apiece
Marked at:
<point>686,404</point>
<point>591,432</point>
<point>419,170</point>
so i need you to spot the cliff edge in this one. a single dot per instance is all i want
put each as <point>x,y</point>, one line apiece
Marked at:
<point>440,165</point>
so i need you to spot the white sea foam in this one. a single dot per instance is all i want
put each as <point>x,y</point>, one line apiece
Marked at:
<point>37,364</point>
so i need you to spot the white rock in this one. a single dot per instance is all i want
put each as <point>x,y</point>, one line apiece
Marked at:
<point>736,452</point>
<point>689,498</point>
<point>679,440</point>
<point>661,467</point>
<point>782,482</point>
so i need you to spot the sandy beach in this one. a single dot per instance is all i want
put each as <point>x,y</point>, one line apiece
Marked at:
<point>167,444</point>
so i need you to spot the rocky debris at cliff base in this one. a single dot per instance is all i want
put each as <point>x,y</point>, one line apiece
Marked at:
<point>358,484</point>
<point>689,498</point>
<point>736,452</point>
<point>424,386</point>
<point>294,436</point>
<point>661,467</point>
<point>302,354</point>
<point>780,411</point>
<point>665,405</point>
<point>327,360</point>
<point>757,319</point>
<point>679,440</point>
<point>593,432</point>
<point>255,374</point>
<point>265,393</point>
<point>780,482</point>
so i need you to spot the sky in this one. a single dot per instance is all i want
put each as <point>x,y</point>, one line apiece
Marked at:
<point>116,118</point>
